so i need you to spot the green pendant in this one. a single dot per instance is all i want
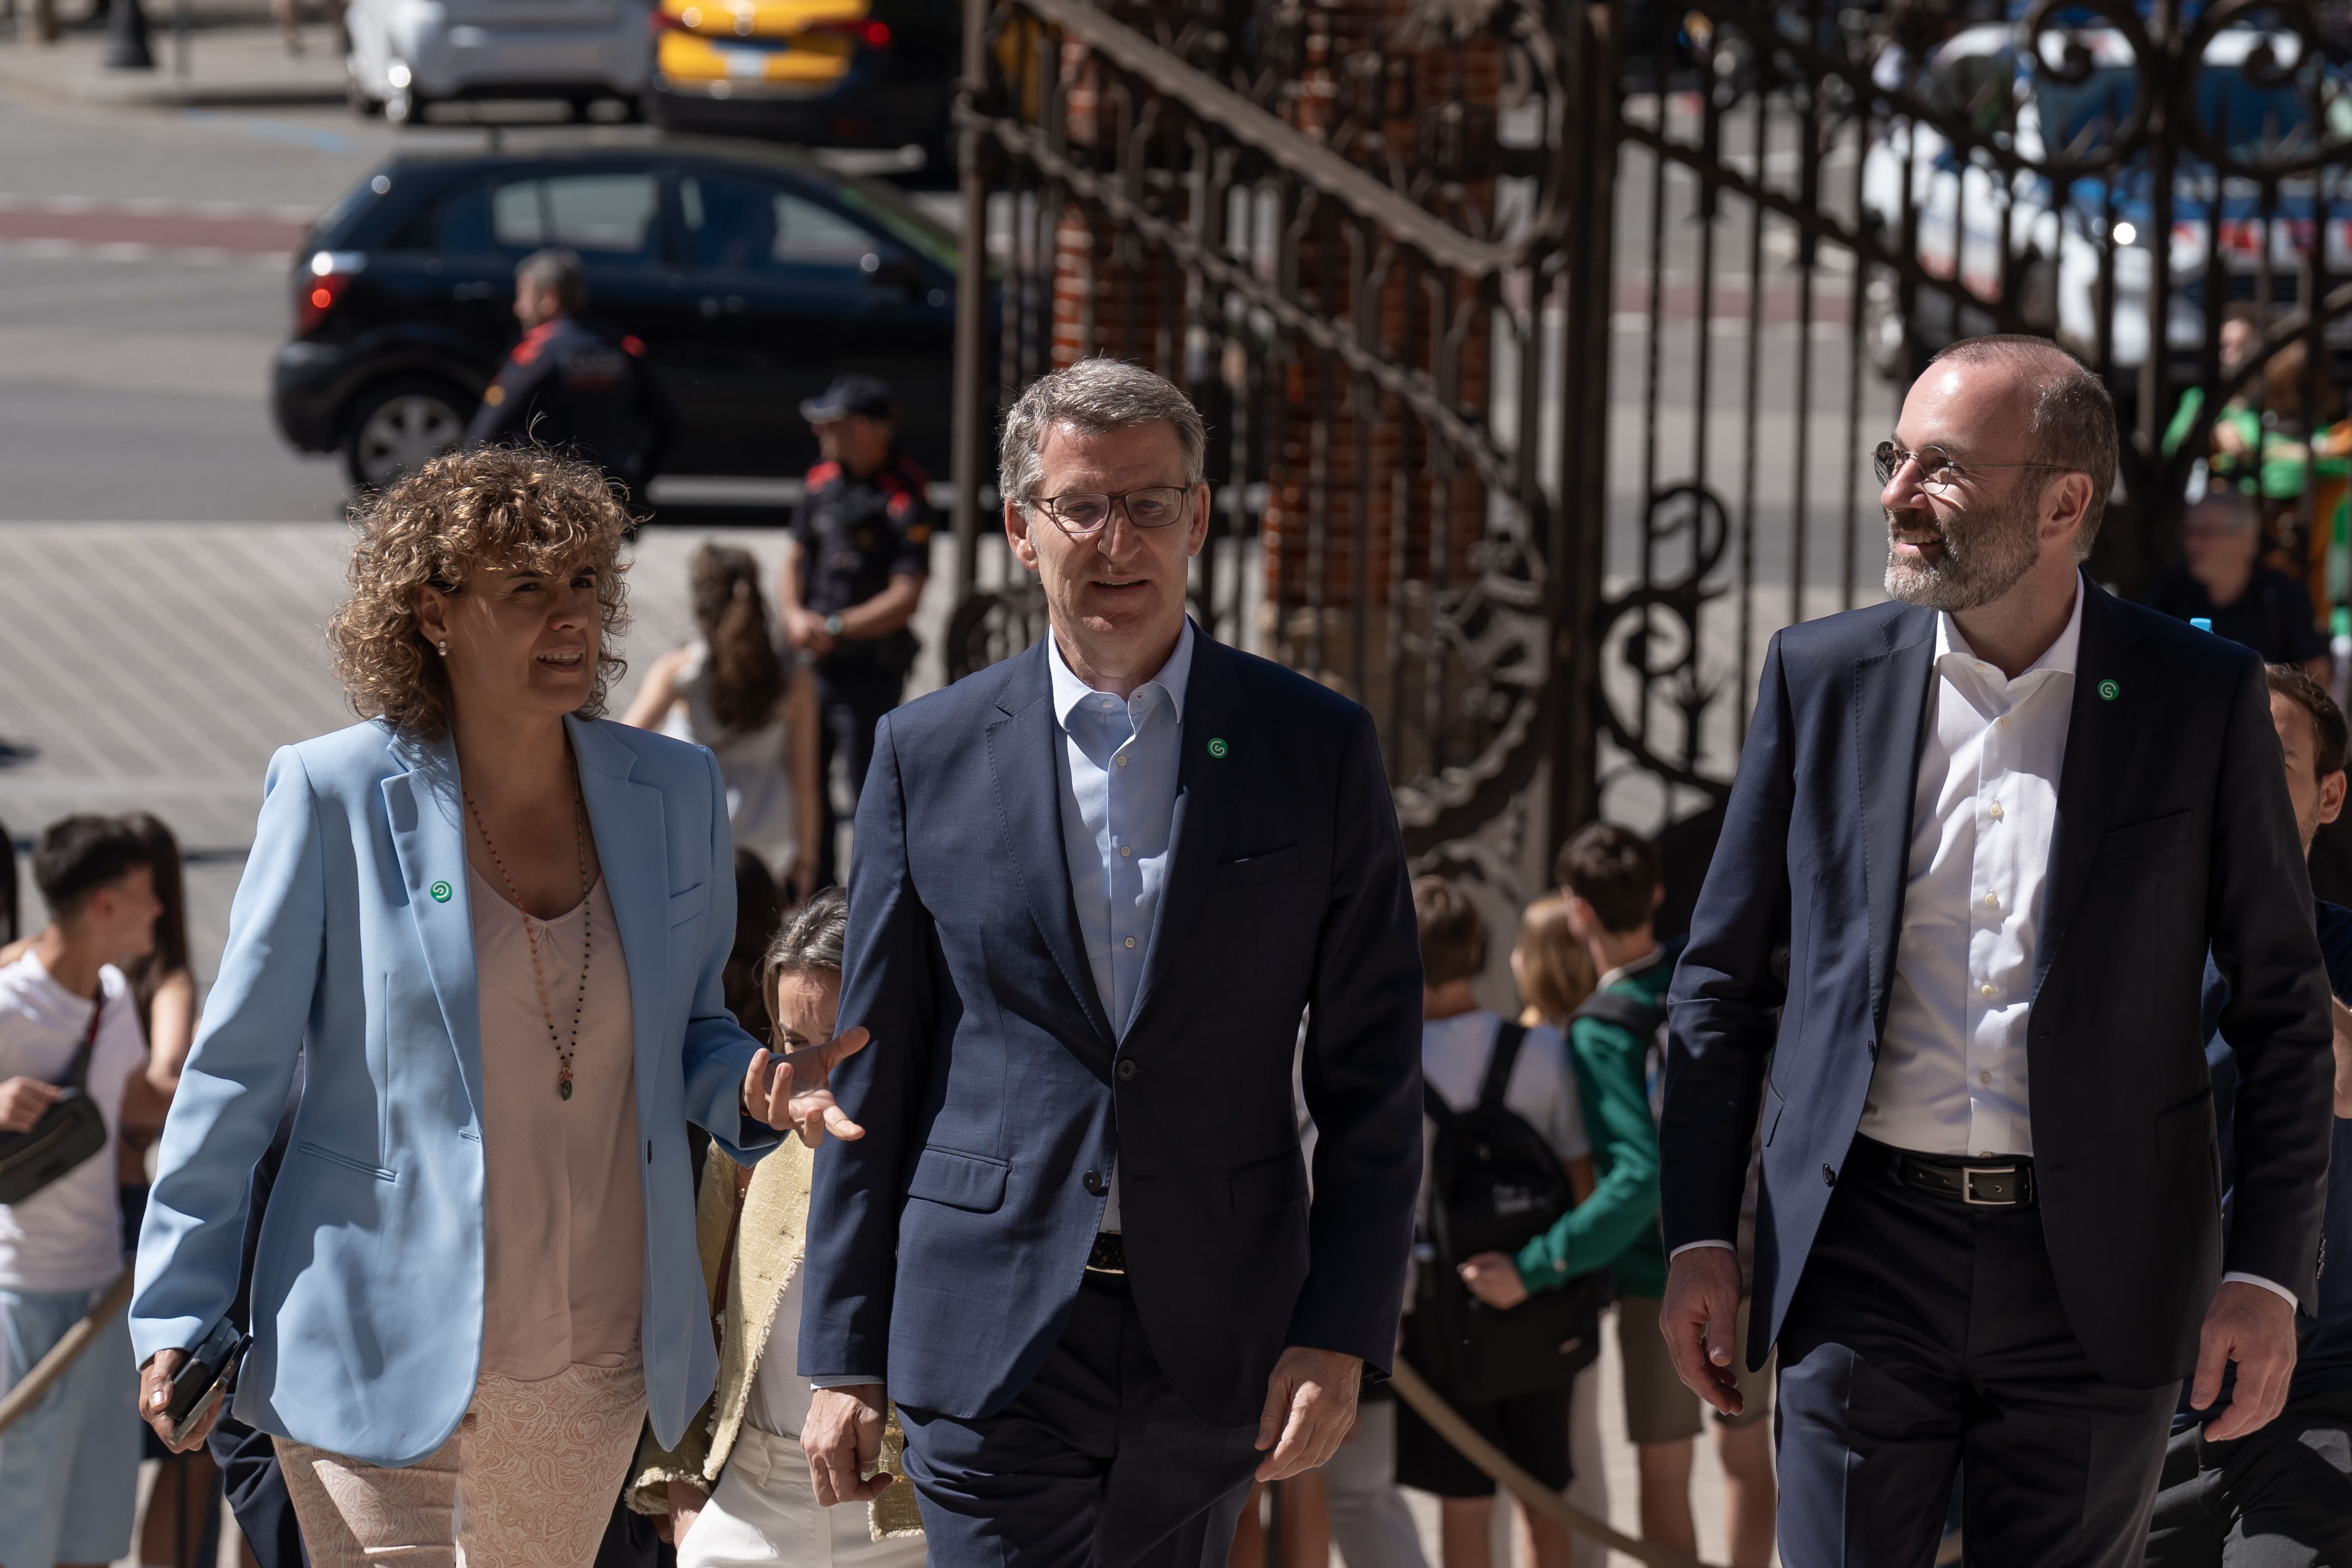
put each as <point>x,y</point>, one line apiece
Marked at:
<point>564,1089</point>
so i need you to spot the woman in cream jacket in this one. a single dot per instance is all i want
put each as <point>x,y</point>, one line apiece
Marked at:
<point>736,1488</point>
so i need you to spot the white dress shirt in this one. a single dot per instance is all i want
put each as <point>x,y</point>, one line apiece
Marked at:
<point>1118,774</point>
<point>1951,1075</point>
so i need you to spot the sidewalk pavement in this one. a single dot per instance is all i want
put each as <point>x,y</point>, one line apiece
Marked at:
<point>234,57</point>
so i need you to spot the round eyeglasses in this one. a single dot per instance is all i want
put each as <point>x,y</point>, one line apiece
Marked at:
<point>1079,514</point>
<point>1940,472</point>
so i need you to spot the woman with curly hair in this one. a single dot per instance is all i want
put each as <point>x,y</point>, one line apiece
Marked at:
<point>488,926</point>
<point>729,690</point>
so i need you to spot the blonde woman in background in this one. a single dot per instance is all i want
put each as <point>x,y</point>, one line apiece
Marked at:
<point>1555,975</point>
<point>727,689</point>
<point>736,1492</point>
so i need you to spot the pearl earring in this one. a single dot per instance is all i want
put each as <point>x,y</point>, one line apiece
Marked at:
<point>443,647</point>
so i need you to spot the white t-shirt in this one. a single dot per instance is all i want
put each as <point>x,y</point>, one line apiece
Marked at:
<point>68,1235</point>
<point>779,1398</point>
<point>1454,1057</point>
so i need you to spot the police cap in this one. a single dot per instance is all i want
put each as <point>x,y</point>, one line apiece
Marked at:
<point>852,394</point>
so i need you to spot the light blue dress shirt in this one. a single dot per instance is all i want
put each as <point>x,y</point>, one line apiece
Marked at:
<point>1117,773</point>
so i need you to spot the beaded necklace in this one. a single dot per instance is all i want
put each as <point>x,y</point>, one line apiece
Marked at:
<point>564,1052</point>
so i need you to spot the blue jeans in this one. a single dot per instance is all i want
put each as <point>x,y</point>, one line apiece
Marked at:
<point>70,1468</point>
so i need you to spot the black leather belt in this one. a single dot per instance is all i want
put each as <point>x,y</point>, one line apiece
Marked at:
<point>1108,1255</point>
<point>1985,1184</point>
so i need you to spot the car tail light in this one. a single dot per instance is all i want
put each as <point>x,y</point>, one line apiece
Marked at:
<point>871,34</point>
<point>319,285</point>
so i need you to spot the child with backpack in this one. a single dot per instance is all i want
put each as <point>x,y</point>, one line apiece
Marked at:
<point>1507,1153</point>
<point>1610,880</point>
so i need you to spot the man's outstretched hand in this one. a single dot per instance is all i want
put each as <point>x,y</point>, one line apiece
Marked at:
<point>842,1439</point>
<point>1698,1317</point>
<point>2254,1328</point>
<point>1310,1409</point>
<point>794,1090</point>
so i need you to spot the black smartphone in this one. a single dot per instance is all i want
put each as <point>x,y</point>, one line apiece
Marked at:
<point>196,1387</point>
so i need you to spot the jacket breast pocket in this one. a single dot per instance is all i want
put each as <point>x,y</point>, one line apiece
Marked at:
<point>1265,1185</point>
<point>1255,869</point>
<point>2136,839</point>
<point>960,1181</point>
<point>687,905</point>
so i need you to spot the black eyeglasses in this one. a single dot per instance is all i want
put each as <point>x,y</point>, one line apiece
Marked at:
<point>1940,472</point>
<point>1078,515</point>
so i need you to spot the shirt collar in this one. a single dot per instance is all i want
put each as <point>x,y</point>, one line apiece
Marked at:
<point>1622,970</point>
<point>2058,658</point>
<point>1069,690</point>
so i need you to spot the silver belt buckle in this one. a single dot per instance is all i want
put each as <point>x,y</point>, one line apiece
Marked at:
<point>1968,1185</point>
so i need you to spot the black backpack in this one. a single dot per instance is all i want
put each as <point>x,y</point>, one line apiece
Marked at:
<point>1495,1185</point>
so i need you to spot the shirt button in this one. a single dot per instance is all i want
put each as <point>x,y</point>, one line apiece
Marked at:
<point>1996,811</point>
<point>1131,942</point>
<point>1992,901</point>
<point>1127,851</point>
<point>1984,1077</point>
<point>2002,720</point>
<point>1122,759</point>
<point>1981,990</point>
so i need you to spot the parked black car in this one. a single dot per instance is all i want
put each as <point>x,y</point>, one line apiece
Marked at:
<point>752,276</point>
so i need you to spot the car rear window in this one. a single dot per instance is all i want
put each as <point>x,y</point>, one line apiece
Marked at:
<point>750,224</point>
<point>610,215</point>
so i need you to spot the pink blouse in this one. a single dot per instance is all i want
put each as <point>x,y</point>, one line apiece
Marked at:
<point>564,1220</point>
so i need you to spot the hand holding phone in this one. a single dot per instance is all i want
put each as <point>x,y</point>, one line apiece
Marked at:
<point>181,1390</point>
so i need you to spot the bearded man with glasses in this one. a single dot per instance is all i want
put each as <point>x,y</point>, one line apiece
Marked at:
<point>1996,825</point>
<point>1097,886</point>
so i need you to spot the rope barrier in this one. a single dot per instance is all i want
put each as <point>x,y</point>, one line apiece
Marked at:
<point>1537,1496</point>
<point>52,1366</point>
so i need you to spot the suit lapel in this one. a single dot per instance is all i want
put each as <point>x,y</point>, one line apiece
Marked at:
<point>1027,778</point>
<point>632,848</point>
<point>1890,710</point>
<point>2098,729</point>
<point>425,809</point>
<point>1208,789</point>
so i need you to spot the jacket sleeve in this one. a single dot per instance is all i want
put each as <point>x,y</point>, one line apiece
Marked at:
<point>1725,990</point>
<point>1596,1232</point>
<point>2259,918</point>
<point>890,988</point>
<point>234,1089</point>
<point>717,1052</point>
<point>1362,1073</point>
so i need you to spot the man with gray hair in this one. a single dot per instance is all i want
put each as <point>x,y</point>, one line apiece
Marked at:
<point>1950,953</point>
<point>1071,1231</point>
<point>2221,580</point>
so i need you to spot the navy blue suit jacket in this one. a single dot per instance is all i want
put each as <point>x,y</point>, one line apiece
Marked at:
<point>947,1246</point>
<point>2174,831</point>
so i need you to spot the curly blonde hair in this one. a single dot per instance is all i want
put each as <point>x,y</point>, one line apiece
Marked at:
<point>512,505</point>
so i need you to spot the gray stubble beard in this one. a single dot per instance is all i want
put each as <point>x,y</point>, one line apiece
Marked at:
<point>1986,551</point>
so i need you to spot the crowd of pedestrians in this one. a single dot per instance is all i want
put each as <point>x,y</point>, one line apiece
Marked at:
<point>610,1243</point>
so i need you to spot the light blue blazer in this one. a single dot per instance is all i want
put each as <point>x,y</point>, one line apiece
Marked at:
<point>351,943</point>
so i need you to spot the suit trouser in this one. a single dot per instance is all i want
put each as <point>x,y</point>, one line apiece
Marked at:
<point>2279,1497</point>
<point>1926,1334</point>
<point>851,701</point>
<point>1095,1464</point>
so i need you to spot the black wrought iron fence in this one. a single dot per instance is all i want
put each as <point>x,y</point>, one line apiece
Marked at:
<point>1543,344</point>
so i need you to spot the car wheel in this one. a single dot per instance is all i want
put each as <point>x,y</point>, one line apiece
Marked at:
<point>397,428</point>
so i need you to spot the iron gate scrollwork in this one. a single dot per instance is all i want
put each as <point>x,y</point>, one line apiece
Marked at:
<point>1542,344</point>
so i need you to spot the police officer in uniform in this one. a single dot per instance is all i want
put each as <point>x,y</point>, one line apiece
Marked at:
<point>854,562</point>
<point>569,386</point>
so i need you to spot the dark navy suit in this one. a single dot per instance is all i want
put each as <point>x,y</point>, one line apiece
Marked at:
<point>947,1249</point>
<point>2173,831</point>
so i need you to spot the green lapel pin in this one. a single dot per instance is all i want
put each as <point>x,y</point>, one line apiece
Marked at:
<point>1217,747</point>
<point>441,891</point>
<point>2110,691</point>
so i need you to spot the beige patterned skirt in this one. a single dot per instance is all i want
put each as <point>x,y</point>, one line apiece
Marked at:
<point>526,1481</point>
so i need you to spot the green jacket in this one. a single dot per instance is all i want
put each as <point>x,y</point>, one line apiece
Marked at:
<point>1617,1225</point>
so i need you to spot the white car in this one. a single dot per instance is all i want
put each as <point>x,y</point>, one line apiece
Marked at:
<point>407,53</point>
<point>2058,245</point>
